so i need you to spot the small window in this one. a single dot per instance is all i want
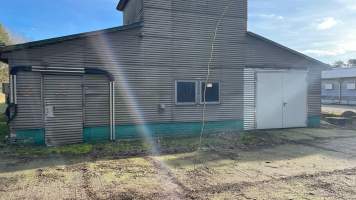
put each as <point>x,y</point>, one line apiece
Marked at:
<point>351,86</point>
<point>212,93</point>
<point>186,92</point>
<point>329,86</point>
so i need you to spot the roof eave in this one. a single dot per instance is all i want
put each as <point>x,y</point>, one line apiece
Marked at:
<point>321,64</point>
<point>68,37</point>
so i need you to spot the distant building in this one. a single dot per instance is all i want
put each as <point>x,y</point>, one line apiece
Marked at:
<point>339,86</point>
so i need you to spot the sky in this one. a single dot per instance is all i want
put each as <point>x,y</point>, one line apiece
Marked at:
<point>323,29</point>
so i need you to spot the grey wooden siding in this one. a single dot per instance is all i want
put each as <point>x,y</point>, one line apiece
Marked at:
<point>264,54</point>
<point>29,99</point>
<point>133,12</point>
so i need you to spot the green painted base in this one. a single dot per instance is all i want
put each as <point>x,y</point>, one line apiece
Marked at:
<point>31,137</point>
<point>314,121</point>
<point>175,129</point>
<point>96,134</point>
<point>100,134</point>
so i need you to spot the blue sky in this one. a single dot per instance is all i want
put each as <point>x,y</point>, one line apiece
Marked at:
<point>323,29</point>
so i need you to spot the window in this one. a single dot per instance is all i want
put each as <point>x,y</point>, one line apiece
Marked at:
<point>212,93</point>
<point>351,86</point>
<point>328,86</point>
<point>186,92</point>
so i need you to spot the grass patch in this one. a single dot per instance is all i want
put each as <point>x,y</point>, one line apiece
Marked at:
<point>77,149</point>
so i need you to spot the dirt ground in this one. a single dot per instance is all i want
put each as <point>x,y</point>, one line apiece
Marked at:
<point>279,164</point>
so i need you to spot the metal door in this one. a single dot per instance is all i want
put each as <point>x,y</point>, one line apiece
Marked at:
<point>281,99</point>
<point>269,97</point>
<point>63,101</point>
<point>295,99</point>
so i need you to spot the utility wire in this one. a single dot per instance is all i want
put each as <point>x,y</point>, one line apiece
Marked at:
<point>211,58</point>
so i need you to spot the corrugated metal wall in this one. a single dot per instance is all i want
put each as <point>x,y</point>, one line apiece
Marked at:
<point>174,44</point>
<point>348,96</point>
<point>29,100</point>
<point>97,97</point>
<point>63,99</point>
<point>133,12</point>
<point>264,54</point>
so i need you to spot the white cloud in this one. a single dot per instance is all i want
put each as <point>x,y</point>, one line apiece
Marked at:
<point>327,23</point>
<point>342,48</point>
<point>349,4</point>
<point>271,16</point>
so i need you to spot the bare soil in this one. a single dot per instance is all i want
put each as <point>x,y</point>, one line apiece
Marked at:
<point>279,164</point>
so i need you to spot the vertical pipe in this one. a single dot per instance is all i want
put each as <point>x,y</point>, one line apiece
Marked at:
<point>111,120</point>
<point>340,93</point>
<point>113,112</point>
<point>11,90</point>
<point>15,91</point>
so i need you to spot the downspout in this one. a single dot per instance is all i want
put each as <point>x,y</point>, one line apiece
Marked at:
<point>111,111</point>
<point>340,91</point>
<point>114,110</point>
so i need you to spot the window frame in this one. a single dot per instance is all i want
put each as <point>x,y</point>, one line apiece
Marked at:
<point>351,86</point>
<point>176,93</point>
<point>328,84</point>
<point>202,93</point>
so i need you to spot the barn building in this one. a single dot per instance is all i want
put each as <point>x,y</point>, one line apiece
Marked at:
<point>339,86</point>
<point>149,77</point>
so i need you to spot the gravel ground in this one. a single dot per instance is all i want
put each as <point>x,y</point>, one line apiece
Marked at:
<point>279,164</point>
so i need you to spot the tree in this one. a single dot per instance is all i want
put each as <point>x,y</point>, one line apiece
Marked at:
<point>351,63</point>
<point>339,63</point>
<point>4,36</point>
<point>5,40</point>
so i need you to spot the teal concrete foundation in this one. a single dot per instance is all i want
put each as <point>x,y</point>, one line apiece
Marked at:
<point>31,137</point>
<point>175,129</point>
<point>96,134</point>
<point>102,134</point>
<point>99,134</point>
<point>314,121</point>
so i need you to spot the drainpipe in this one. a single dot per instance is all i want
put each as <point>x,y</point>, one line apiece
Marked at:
<point>112,111</point>
<point>340,92</point>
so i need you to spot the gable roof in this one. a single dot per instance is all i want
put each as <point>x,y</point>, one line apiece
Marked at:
<point>121,5</point>
<point>68,37</point>
<point>259,37</point>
